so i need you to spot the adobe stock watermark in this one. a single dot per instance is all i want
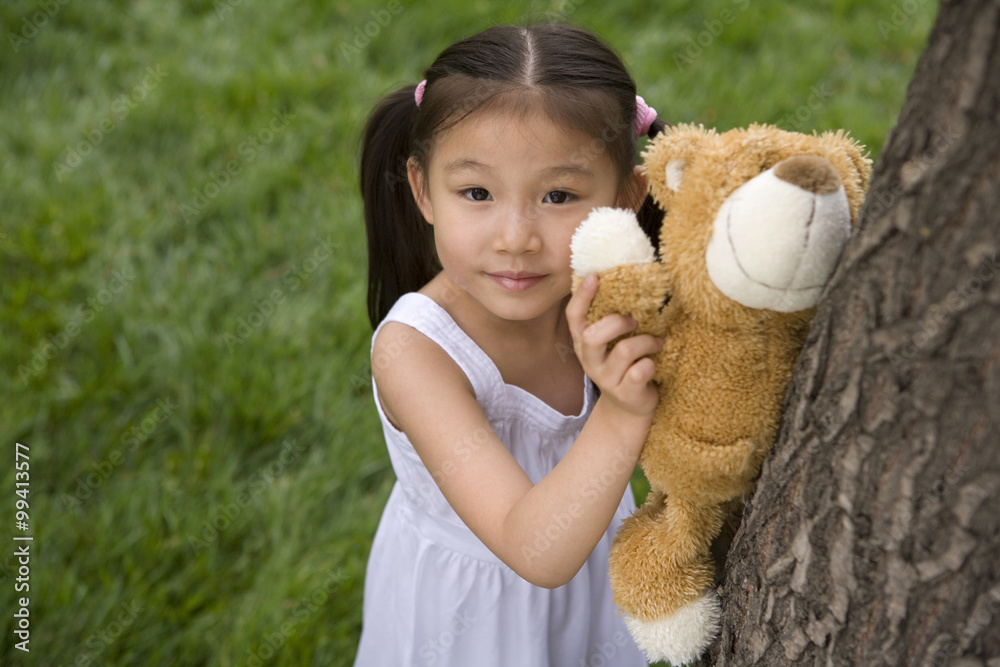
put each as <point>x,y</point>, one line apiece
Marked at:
<point>462,451</point>
<point>292,280</point>
<point>941,141</point>
<point>248,150</point>
<point>304,607</point>
<point>603,654</point>
<point>224,7</point>
<point>397,177</point>
<point>382,360</point>
<point>51,345</point>
<point>364,34</point>
<point>796,120</point>
<point>950,648</point>
<point>559,11</point>
<point>614,130</point>
<point>8,567</point>
<point>99,642</point>
<point>432,650</point>
<point>714,27</point>
<point>121,107</point>
<point>561,521</point>
<point>902,13</point>
<point>31,25</point>
<point>100,471</point>
<point>940,314</point>
<point>225,514</point>
<point>387,355</point>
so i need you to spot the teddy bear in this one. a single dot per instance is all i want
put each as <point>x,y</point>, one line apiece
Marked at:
<point>754,223</point>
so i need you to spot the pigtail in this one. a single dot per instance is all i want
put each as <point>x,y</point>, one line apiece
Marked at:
<point>401,255</point>
<point>650,215</point>
<point>658,125</point>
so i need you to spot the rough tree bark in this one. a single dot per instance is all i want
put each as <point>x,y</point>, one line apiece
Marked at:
<point>873,536</point>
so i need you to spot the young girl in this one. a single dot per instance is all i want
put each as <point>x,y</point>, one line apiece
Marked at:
<point>512,473</point>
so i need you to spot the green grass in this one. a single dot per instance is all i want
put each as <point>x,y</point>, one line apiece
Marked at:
<point>182,319</point>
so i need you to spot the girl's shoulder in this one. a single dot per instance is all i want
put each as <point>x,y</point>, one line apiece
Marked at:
<point>419,317</point>
<point>419,342</point>
<point>407,363</point>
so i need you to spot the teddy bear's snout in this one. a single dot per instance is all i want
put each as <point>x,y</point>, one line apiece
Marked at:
<point>810,172</point>
<point>777,238</point>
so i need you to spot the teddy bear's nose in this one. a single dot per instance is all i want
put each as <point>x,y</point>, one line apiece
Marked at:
<point>809,172</point>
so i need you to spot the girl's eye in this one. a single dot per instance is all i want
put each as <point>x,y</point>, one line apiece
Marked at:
<point>476,194</point>
<point>557,197</point>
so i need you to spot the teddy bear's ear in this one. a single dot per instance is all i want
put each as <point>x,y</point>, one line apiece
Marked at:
<point>668,156</point>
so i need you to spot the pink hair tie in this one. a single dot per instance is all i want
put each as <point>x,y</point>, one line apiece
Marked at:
<point>418,94</point>
<point>644,116</point>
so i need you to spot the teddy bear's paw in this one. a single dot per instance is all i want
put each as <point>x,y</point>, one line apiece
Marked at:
<point>681,637</point>
<point>609,237</point>
<point>778,237</point>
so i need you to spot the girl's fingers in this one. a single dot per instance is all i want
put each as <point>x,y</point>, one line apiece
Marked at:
<point>637,389</point>
<point>628,354</point>
<point>606,329</point>
<point>579,304</point>
<point>628,350</point>
<point>626,369</point>
<point>641,372</point>
<point>592,344</point>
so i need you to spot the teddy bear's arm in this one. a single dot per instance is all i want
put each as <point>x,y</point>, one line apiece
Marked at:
<point>631,282</point>
<point>635,290</point>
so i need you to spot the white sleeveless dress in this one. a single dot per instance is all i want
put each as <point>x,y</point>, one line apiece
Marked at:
<point>434,594</point>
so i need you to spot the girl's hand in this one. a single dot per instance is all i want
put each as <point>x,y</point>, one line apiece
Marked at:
<point>625,372</point>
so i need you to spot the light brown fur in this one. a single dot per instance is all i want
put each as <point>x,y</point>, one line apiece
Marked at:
<point>724,367</point>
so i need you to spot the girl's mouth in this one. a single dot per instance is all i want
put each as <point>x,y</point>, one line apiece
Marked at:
<point>516,281</point>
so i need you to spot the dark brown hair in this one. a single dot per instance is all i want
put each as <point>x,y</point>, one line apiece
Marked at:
<point>565,71</point>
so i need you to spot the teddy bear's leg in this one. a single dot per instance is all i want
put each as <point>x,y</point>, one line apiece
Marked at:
<point>662,568</point>
<point>661,574</point>
<point>705,473</point>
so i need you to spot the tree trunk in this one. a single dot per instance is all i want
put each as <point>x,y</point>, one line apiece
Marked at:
<point>873,536</point>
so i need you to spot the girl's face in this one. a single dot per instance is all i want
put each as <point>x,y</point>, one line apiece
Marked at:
<point>504,196</point>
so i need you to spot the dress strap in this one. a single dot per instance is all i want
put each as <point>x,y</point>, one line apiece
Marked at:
<point>424,314</point>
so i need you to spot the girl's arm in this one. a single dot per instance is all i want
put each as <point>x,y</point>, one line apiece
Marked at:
<point>544,532</point>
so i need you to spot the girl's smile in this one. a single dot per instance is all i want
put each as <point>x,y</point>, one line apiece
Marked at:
<point>516,281</point>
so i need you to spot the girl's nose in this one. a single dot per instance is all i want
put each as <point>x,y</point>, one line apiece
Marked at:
<point>518,231</point>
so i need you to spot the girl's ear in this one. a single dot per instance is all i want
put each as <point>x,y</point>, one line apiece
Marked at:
<point>418,186</point>
<point>633,191</point>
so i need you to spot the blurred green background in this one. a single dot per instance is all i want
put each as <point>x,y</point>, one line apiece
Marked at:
<point>182,318</point>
